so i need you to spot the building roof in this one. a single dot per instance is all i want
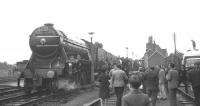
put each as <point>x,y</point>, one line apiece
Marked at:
<point>158,53</point>
<point>149,52</point>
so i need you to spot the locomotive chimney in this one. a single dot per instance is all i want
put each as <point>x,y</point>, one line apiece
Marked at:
<point>49,24</point>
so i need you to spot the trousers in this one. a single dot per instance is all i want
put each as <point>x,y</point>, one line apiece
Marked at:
<point>197,95</point>
<point>152,94</point>
<point>119,93</point>
<point>162,91</point>
<point>172,96</point>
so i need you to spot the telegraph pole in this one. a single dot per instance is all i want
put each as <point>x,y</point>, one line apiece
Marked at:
<point>91,36</point>
<point>174,43</point>
<point>174,48</point>
<point>132,55</point>
<point>132,59</point>
<point>92,55</point>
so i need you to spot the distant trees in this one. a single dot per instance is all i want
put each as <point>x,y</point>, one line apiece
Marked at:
<point>5,66</point>
<point>174,58</point>
<point>98,45</point>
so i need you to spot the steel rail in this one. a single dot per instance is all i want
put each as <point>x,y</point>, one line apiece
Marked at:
<point>11,91</point>
<point>189,98</point>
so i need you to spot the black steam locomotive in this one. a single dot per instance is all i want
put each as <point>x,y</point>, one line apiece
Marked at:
<point>55,57</point>
<point>57,60</point>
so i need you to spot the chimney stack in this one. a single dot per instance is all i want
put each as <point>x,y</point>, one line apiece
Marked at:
<point>49,24</point>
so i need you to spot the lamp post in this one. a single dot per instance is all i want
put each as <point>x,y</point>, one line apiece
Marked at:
<point>132,59</point>
<point>132,55</point>
<point>127,52</point>
<point>92,56</point>
<point>91,38</point>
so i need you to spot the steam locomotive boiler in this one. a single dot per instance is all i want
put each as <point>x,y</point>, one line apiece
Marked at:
<point>55,57</point>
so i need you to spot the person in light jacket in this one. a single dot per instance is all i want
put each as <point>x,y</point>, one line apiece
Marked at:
<point>119,80</point>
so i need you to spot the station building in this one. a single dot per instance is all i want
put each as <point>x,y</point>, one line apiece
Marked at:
<point>154,54</point>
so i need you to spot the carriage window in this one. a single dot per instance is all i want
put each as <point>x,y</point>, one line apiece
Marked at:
<point>190,61</point>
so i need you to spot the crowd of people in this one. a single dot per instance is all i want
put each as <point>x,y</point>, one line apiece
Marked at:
<point>146,86</point>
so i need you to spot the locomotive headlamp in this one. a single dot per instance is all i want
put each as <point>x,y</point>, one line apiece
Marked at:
<point>50,74</point>
<point>43,41</point>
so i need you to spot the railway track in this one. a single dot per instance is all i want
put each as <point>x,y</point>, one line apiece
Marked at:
<point>185,99</point>
<point>38,98</point>
<point>22,99</point>
<point>9,90</point>
<point>7,79</point>
<point>5,87</point>
<point>11,95</point>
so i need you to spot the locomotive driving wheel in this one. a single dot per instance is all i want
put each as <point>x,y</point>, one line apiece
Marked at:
<point>54,84</point>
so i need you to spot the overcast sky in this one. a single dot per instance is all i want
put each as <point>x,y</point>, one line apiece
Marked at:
<point>116,23</point>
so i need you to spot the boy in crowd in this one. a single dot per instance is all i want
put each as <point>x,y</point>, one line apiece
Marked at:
<point>135,97</point>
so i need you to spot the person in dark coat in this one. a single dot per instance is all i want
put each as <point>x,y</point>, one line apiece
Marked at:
<point>194,78</point>
<point>104,84</point>
<point>172,78</point>
<point>151,81</point>
<point>183,78</point>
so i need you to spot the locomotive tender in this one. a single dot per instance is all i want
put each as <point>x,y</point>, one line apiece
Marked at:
<point>55,57</point>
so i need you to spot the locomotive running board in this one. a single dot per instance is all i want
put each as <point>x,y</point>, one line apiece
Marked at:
<point>47,45</point>
<point>47,36</point>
